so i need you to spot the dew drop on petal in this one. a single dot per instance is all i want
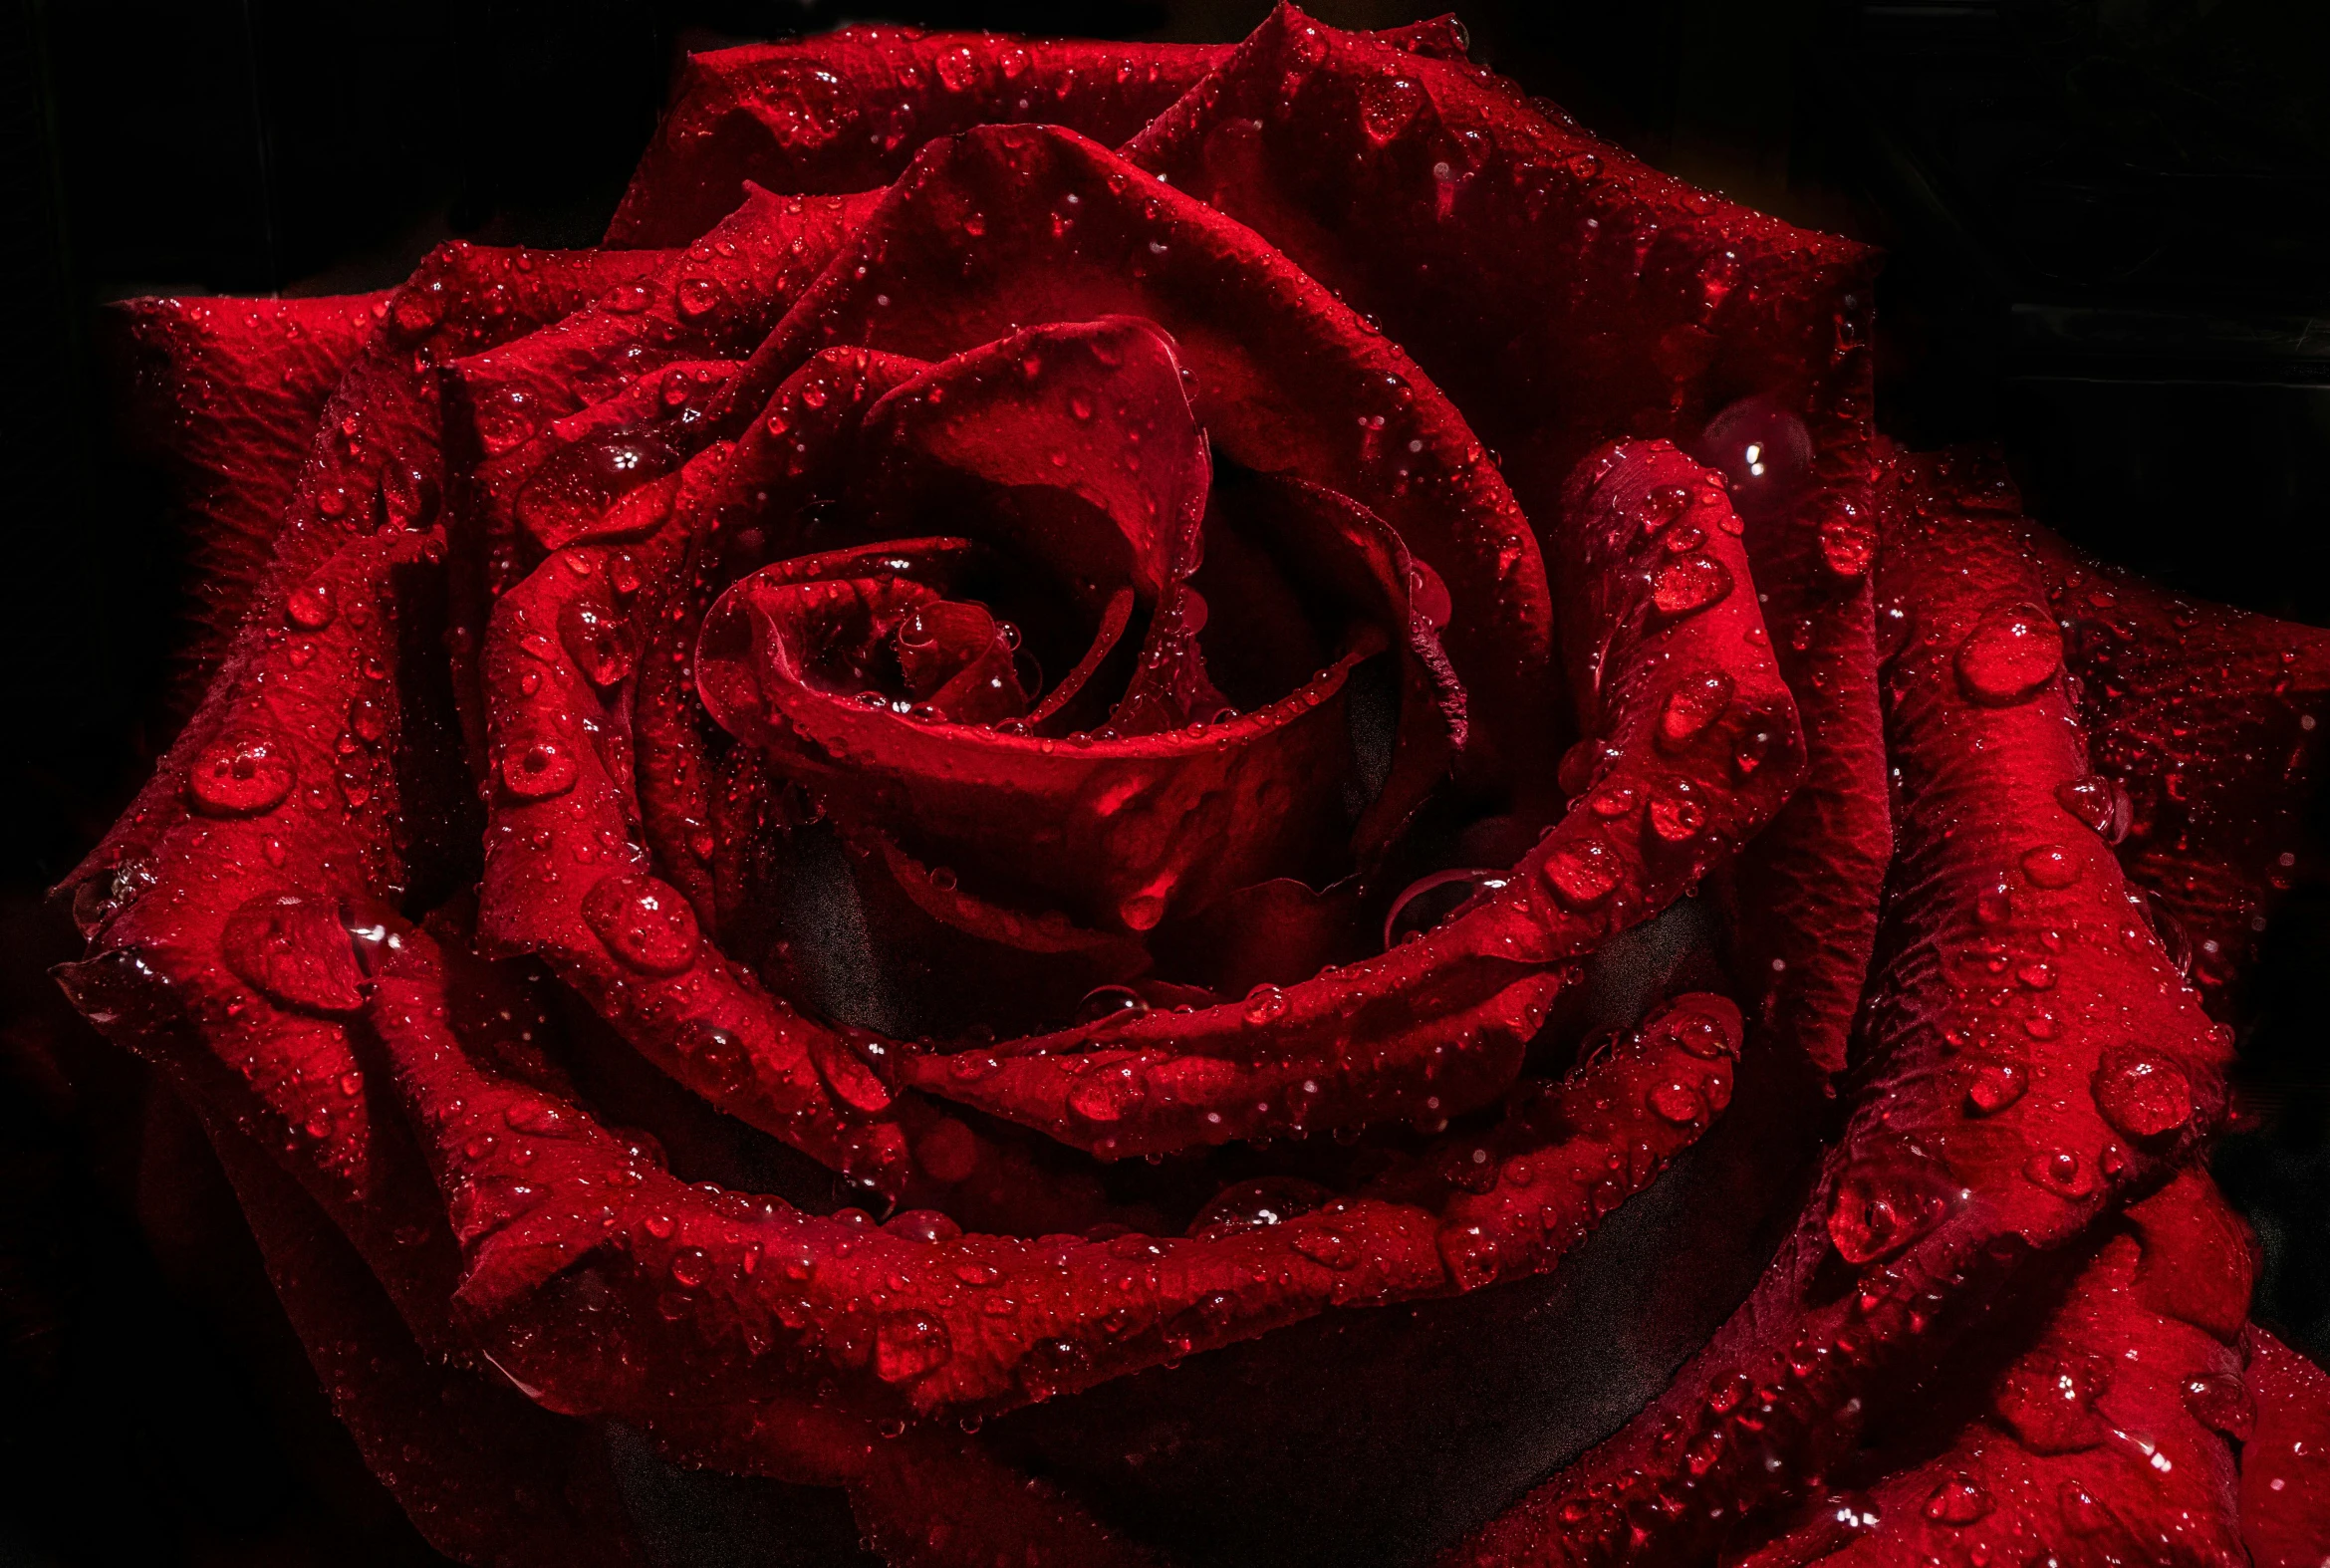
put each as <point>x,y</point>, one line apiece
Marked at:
<point>240,776</point>
<point>2143,1096</point>
<point>645,922</point>
<point>2012,652</point>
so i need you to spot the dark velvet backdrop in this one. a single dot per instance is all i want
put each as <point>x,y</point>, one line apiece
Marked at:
<point>2110,233</point>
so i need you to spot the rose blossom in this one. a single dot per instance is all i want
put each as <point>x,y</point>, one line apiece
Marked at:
<point>1083,702</point>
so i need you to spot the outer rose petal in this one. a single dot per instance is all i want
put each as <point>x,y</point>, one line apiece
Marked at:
<point>2033,1059</point>
<point>2208,722</point>
<point>375,460</point>
<point>724,1300</point>
<point>2103,1441</point>
<point>2285,1460</point>
<point>227,394</point>
<point>486,1476</point>
<point>849,110</point>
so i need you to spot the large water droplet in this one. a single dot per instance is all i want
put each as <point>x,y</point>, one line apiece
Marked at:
<point>644,921</point>
<point>2218,1402</point>
<point>908,1344</point>
<point>594,638</point>
<point>293,948</point>
<point>2048,1398</point>
<point>1762,448</point>
<point>2143,1096</point>
<point>1426,902</point>
<point>1110,1002</point>
<point>1581,875</point>
<point>1690,583</point>
<point>1876,1212</point>
<point>537,770</point>
<point>240,776</point>
<point>841,1060</point>
<point>1695,704</point>
<point>1678,1102</point>
<point>1957,1500</point>
<point>1994,1086</point>
<point>1257,1205</point>
<point>2012,652</point>
<point>2051,866</point>
<point>2100,803</point>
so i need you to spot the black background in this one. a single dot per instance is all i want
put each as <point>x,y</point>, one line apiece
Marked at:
<point>2109,223</point>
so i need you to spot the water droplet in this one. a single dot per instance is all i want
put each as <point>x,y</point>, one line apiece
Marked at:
<point>1142,912</point>
<point>841,1060</point>
<point>1426,902</point>
<point>1676,814</point>
<point>690,1268</point>
<point>538,770</point>
<point>1265,1005</point>
<point>1691,584</point>
<point>1110,1001</point>
<point>1105,1097</point>
<point>2049,1397</point>
<point>2051,866</point>
<point>1678,1103</point>
<point>1581,875</point>
<point>2061,1173</point>
<point>697,294</point>
<point>1694,705</point>
<point>2012,652</point>
<point>908,1345</point>
<point>293,948</point>
<point>311,605</point>
<point>2218,1402</point>
<point>595,640</point>
<point>2143,1096</point>
<point>644,921</point>
<point>2100,803</point>
<point>1994,1087</point>
<point>1873,1216</point>
<point>1330,1247</point>
<point>1957,1500</point>
<point>1762,448</point>
<point>240,776</point>
<point>1257,1205</point>
<point>927,1225</point>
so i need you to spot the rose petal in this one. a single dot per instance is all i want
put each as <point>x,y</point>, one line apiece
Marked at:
<point>690,1282</point>
<point>226,394</point>
<point>849,110</point>
<point>1954,1169</point>
<point>1673,703</point>
<point>2104,1440</point>
<point>980,239</point>
<point>2285,1458</point>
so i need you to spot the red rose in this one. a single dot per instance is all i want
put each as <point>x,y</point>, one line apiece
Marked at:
<point>954,656</point>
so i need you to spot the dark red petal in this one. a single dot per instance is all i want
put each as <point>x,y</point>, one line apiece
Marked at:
<point>226,394</point>
<point>1124,830</point>
<point>486,1476</point>
<point>1074,450</point>
<point>982,238</point>
<point>849,110</point>
<point>699,1290</point>
<point>2207,723</point>
<point>375,460</point>
<point>1693,744</point>
<point>2035,1058</point>
<point>2285,1455</point>
<point>2104,1441</point>
<point>730,512</point>
<point>1561,292</point>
